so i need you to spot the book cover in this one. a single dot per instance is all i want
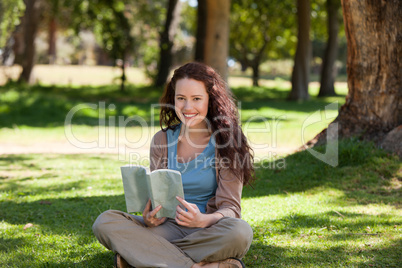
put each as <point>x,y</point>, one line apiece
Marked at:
<point>161,186</point>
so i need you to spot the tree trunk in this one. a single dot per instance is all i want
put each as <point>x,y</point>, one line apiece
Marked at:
<point>201,30</point>
<point>374,103</point>
<point>19,44</point>
<point>216,48</point>
<point>301,70</point>
<point>166,41</point>
<point>30,27</point>
<point>52,40</point>
<point>257,60</point>
<point>256,72</point>
<point>123,75</point>
<point>331,51</point>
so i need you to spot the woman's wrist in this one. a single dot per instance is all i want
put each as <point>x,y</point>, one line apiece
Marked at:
<point>210,219</point>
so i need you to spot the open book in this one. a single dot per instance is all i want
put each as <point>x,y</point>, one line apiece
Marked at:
<point>161,186</point>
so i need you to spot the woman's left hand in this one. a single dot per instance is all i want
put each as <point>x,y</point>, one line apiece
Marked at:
<point>190,218</point>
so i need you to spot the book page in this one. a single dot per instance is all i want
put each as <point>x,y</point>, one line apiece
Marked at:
<point>135,187</point>
<point>166,185</point>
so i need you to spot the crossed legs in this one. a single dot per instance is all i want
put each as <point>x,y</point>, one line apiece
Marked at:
<point>171,245</point>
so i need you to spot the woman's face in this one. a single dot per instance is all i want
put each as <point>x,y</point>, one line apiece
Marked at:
<point>191,102</point>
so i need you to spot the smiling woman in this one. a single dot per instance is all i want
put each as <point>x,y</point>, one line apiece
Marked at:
<point>191,102</point>
<point>202,140</point>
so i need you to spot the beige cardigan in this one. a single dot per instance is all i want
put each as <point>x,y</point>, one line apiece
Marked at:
<point>228,194</point>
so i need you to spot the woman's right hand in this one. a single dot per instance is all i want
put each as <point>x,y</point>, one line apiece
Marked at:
<point>149,216</point>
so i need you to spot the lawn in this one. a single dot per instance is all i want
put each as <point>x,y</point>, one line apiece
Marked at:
<point>28,115</point>
<point>304,213</point>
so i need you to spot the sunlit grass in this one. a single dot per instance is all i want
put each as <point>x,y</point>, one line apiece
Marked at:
<point>304,213</point>
<point>108,118</point>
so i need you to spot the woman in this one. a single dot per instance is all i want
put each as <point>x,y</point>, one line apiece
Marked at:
<point>203,140</point>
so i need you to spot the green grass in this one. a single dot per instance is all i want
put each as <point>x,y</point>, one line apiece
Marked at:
<point>310,214</point>
<point>304,213</point>
<point>28,114</point>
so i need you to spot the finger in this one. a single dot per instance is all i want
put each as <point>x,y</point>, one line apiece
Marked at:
<point>158,221</point>
<point>180,217</point>
<point>186,216</point>
<point>153,212</point>
<point>147,207</point>
<point>161,220</point>
<point>180,210</point>
<point>185,204</point>
<point>183,215</point>
<point>180,222</point>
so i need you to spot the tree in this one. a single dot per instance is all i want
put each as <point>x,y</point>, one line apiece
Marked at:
<point>327,71</point>
<point>52,34</point>
<point>10,13</point>
<point>112,25</point>
<point>256,27</point>
<point>373,107</point>
<point>148,18</point>
<point>166,41</point>
<point>57,16</point>
<point>249,45</point>
<point>301,69</point>
<point>214,48</point>
<point>201,30</point>
<point>29,22</point>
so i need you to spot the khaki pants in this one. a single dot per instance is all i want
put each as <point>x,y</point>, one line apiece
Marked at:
<point>169,244</point>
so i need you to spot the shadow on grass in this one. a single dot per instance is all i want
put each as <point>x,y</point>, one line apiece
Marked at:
<point>261,255</point>
<point>332,225</point>
<point>326,240</point>
<point>59,258</point>
<point>8,160</point>
<point>288,106</point>
<point>15,186</point>
<point>48,106</point>
<point>365,175</point>
<point>60,216</point>
<point>71,218</point>
<point>104,259</point>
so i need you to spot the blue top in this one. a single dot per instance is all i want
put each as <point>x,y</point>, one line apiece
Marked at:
<point>198,175</point>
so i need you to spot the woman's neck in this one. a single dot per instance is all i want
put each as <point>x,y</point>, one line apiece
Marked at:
<point>194,133</point>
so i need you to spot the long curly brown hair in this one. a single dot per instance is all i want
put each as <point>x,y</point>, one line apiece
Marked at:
<point>223,118</point>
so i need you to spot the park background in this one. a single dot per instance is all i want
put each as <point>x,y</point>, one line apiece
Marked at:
<point>284,61</point>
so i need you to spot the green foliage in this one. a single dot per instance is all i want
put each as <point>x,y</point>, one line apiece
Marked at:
<point>112,27</point>
<point>255,22</point>
<point>125,29</point>
<point>259,30</point>
<point>319,22</point>
<point>188,22</point>
<point>10,13</point>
